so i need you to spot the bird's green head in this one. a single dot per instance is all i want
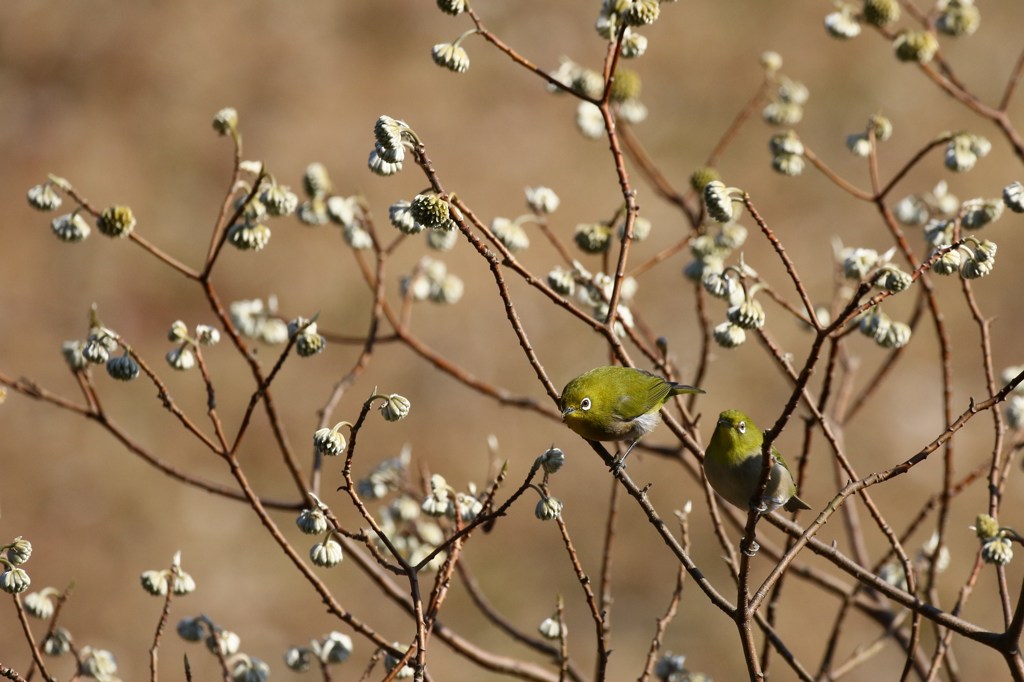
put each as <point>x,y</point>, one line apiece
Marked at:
<point>586,406</point>
<point>736,430</point>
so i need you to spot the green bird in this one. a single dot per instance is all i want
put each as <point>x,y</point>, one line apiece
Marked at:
<point>733,462</point>
<point>617,403</point>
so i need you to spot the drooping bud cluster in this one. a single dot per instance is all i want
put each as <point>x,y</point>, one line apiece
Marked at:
<point>786,103</point>
<point>431,281</point>
<point>258,319</point>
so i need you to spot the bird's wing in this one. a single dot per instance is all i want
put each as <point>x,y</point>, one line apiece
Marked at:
<point>629,407</point>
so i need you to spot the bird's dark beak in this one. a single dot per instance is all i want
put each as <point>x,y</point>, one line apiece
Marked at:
<point>725,422</point>
<point>567,411</point>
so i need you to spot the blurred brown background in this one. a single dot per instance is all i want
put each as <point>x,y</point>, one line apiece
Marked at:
<point>118,98</point>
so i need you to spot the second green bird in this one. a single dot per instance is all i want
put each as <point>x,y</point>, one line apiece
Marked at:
<point>733,464</point>
<point>617,403</point>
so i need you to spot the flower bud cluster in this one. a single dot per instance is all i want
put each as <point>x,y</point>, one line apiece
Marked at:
<point>159,583</point>
<point>13,555</point>
<point>307,340</point>
<point>786,103</point>
<point>431,281</point>
<point>878,127</point>
<point>918,209</point>
<point>391,138</point>
<point>787,153</point>
<point>334,647</point>
<point>996,542</point>
<point>883,330</point>
<point>114,221</point>
<point>258,319</point>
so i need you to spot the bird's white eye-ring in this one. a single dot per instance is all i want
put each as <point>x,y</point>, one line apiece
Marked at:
<point>585,404</point>
<point>742,427</point>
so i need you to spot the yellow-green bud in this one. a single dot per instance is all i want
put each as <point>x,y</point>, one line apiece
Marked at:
<point>626,84</point>
<point>700,178</point>
<point>593,237</point>
<point>916,46</point>
<point>116,221</point>
<point>881,12</point>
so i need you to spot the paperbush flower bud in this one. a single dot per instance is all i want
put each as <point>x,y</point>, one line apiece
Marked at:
<point>781,113</point>
<point>857,262</point>
<point>633,44</point>
<point>453,7</point>
<point>912,210</point>
<point>718,201</point>
<point>511,234</point>
<point>958,18</point>
<point>593,237</point>
<point>891,278</point>
<point>307,341</point>
<point>336,647</point>
<point>395,407</point>
<point>44,197</point>
<point>771,61</point>
<point>875,324</point>
<point>57,643</point>
<point>191,629</point>
<point>552,460</point>
<point>298,659</point>
<point>279,200</point>
<point>123,368</point>
<point>729,335</point>
<point>980,212</point>
<point>897,336</point>
<point>1013,197</point>
<point>70,228</point>
<point>1015,412</point>
<point>589,120</point>
<point>19,551</point>
<point>312,521</point>
<point>842,23</point>
<point>881,12</point>
<point>390,663</point>
<point>451,56</point>
<point>98,664</point>
<point>641,12</point>
<point>670,667</point>
<point>207,335</point>
<point>542,200</point>
<point>998,550</point>
<point>700,178</point>
<point>916,46</point>
<point>550,628</point>
<point>116,221</point>
<point>379,166</point>
<point>731,236</point>
<point>14,580</point>
<point>641,229</point>
<point>329,442</point>
<point>562,281</point>
<point>720,286</point>
<point>548,508</point>
<point>39,604</point>
<point>249,669</point>
<point>429,210</point>
<point>154,582</point>
<point>788,164</point>
<point>326,554</point>
<point>249,236</point>
<point>749,314</point>
<point>225,121</point>
<point>181,358</point>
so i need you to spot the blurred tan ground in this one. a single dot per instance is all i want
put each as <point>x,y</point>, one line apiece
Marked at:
<point>118,98</point>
